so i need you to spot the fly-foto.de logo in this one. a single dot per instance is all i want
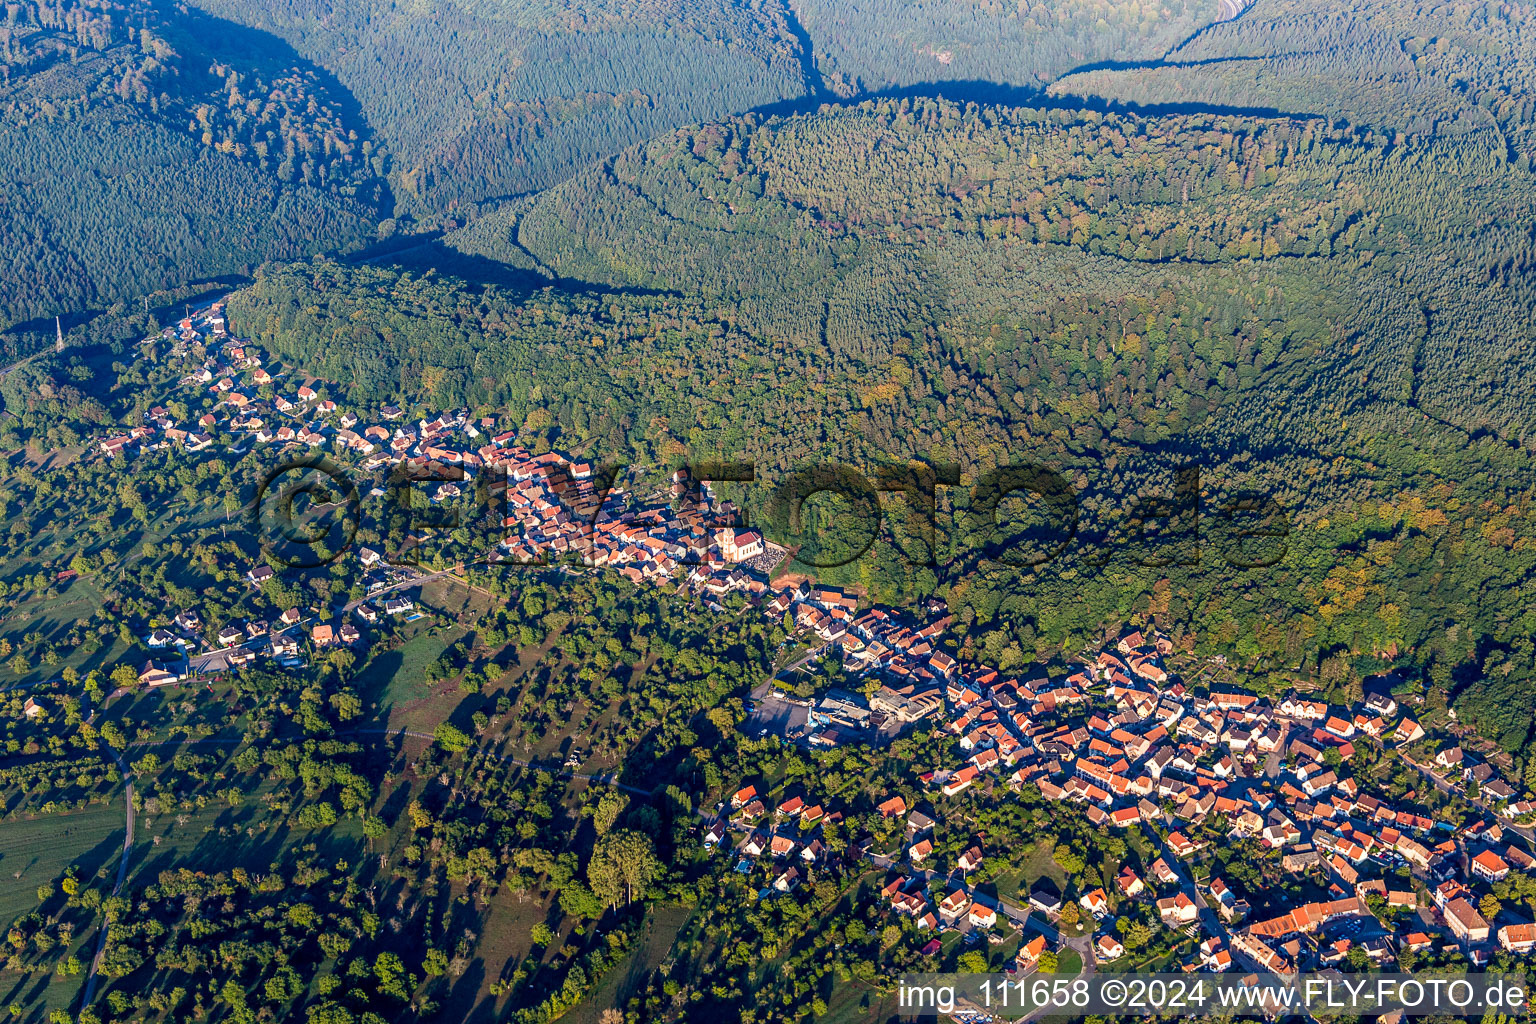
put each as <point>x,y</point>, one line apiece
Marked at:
<point>309,511</point>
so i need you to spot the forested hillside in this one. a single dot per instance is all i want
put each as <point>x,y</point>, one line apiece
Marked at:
<point>794,216</point>
<point>157,145</point>
<point>1217,330</point>
<point>1308,313</point>
<point>1332,308</point>
<point>140,151</point>
<point>480,99</point>
<point>1375,560</point>
<point>876,45</point>
<point>1416,67</point>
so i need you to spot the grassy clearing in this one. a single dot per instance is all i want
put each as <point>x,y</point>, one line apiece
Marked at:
<point>504,941</point>
<point>856,1003</point>
<point>396,680</point>
<point>445,700</point>
<point>454,598</point>
<point>161,715</point>
<point>399,676</point>
<point>36,851</point>
<point>252,837</point>
<point>1036,864</point>
<point>657,936</point>
<point>53,616</point>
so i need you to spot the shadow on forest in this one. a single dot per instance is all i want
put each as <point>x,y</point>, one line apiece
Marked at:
<point>987,93</point>
<point>483,272</point>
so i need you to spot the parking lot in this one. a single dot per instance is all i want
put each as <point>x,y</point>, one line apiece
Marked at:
<point>770,715</point>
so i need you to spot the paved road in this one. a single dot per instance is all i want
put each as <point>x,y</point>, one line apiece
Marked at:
<point>416,581</point>
<point>814,652</point>
<point>776,716</point>
<point>1523,831</point>
<point>25,360</point>
<point>198,663</point>
<point>122,875</point>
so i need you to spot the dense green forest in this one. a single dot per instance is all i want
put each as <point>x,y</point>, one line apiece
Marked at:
<point>159,144</point>
<point>865,46</point>
<point>142,151</point>
<point>1330,307</point>
<point>1405,531</point>
<point>918,206</point>
<point>1420,67</point>
<point>480,99</point>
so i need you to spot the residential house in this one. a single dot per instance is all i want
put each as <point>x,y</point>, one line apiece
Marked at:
<point>1178,910</point>
<point>1519,939</point>
<point>1465,922</point>
<point>1489,866</point>
<point>1029,953</point>
<point>982,916</point>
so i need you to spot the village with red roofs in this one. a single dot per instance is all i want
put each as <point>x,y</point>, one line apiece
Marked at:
<point>1176,769</point>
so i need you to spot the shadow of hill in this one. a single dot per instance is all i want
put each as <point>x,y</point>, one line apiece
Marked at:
<point>987,93</point>
<point>483,272</point>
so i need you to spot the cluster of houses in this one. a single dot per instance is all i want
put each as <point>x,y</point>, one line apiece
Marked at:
<point>1117,733</point>
<point>901,652</point>
<point>790,837</point>
<point>1123,737</point>
<point>552,507</point>
<point>557,511</point>
<point>200,653</point>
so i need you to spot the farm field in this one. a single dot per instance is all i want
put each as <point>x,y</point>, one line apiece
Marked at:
<point>37,851</point>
